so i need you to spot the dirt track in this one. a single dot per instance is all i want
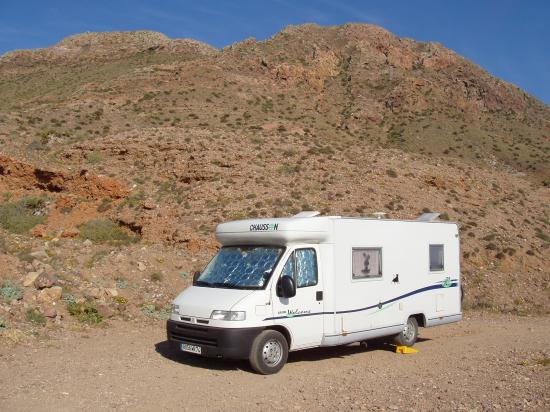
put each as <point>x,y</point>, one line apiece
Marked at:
<point>486,362</point>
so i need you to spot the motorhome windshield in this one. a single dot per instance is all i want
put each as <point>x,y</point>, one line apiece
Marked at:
<point>243,267</point>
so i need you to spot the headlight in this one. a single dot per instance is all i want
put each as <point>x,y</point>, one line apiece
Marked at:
<point>227,315</point>
<point>175,309</point>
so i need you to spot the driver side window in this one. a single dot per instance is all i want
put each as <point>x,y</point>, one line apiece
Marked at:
<point>302,267</point>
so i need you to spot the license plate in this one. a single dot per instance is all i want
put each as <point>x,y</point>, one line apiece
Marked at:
<point>191,348</point>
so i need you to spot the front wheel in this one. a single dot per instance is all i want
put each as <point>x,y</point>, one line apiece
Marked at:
<point>409,335</point>
<point>269,352</point>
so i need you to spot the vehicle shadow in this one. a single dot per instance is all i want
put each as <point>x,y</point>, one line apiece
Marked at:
<point>171,352</point>
<point>315,354</point>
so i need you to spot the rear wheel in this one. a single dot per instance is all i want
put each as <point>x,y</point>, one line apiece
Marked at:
<point>269,352</point>
<point>409,334</point>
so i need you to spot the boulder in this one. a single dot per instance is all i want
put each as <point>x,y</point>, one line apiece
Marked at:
<point>29,278</point>
<point>44,280</point>
<point>50,295</point>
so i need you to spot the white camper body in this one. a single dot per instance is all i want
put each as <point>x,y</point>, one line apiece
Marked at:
<point>354,279</point>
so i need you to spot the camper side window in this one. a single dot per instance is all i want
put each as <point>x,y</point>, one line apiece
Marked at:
<point>366,263</point>
<point>302,266</point>
<point>437,261</point>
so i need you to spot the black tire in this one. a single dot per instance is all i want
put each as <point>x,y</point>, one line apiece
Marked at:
<point>409,335</point>
<point>269,352</point>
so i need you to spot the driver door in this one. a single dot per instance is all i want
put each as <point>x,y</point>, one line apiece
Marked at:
<point>301,314</point>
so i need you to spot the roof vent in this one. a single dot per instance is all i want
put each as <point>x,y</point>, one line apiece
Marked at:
<point>427,217</point>
<point>379,215</point>
<point>308,213</point>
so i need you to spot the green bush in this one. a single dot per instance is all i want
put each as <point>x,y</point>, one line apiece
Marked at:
<point>153,311</point>
<point>94,157</point>
<point>11,291</point>
<point>85,312</point>
<point>391,173</point>
<point>18,217</point>
<point>33,316</point>
<point>106,231</point>
<point>156,277</point>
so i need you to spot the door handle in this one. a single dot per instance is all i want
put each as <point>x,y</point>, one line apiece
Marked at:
<point>319,295</point>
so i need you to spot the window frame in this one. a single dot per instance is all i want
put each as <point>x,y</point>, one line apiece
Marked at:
<point>378,278</point>
<point>430,258</point>
<point>295,277</point>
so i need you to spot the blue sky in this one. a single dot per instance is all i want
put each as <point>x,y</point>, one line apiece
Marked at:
<point>509,38</point>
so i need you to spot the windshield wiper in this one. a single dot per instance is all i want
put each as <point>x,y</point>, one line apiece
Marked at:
<point>223,285</point>
<point>202,283</point>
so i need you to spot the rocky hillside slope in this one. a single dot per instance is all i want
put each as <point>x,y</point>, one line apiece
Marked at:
<point>138,145</point>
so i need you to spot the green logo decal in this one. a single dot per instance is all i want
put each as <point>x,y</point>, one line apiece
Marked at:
<point>447,282</point>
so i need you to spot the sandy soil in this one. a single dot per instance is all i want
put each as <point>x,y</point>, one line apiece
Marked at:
<point>486,362</point>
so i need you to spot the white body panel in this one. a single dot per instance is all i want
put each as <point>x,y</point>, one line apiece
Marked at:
<point>349,309</point>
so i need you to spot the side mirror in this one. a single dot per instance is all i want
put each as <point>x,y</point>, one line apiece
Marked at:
<point>286,287</point>
<point>196,276</point>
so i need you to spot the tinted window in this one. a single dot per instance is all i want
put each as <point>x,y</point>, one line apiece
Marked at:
<point>240,267</point>
<point>306,268</point>
<point>302,266</point>
<point>437,263</point>
<point>366,263</point>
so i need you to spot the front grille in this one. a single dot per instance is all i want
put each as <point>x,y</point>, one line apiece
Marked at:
<point>192,334</point>
<point>194,339</point>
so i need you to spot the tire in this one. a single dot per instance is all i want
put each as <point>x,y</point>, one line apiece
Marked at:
<point>409,335</point>
<point>269,352</point>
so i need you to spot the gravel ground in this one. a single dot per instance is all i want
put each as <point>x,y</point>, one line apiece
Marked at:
<point>485,362</point>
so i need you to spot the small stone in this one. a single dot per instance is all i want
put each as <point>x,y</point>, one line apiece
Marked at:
<point>72,232</point>
<point>111,292</point>
<point>40,254</point>
<point>49,312</point>
<point>44,280</point>
<point>141,266</point>
<point>105,311</point>
<point>93,293</point>
<point>149,204</point>
<point>30,278</point>
<point>38,231</point>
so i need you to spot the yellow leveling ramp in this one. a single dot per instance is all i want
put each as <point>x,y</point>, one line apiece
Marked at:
<point>405,349</point>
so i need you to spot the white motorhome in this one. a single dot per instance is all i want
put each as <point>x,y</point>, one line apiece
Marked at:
<point>286,284</point>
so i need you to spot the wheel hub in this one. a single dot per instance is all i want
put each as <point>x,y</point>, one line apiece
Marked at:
<point>408,332</point>
<point>272,352</point>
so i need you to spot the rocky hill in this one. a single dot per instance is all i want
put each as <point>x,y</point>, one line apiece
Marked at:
<point>120,152</point>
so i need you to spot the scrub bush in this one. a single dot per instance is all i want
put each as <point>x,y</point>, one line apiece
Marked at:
<point>85,312</point>
<point>11,291</point>
<point>105,231</point>
<point>35,317</point>
<point>18,217</point>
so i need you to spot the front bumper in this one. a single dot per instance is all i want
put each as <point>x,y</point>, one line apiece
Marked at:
<point>232,343</point>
